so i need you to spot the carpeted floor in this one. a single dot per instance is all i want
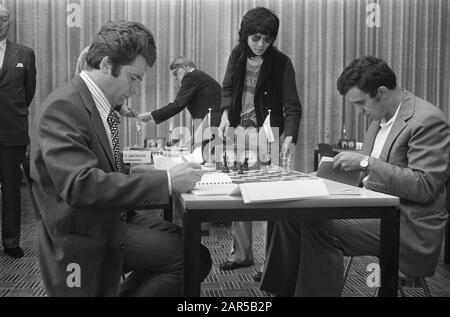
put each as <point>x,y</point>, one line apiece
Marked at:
<point>21,277</point>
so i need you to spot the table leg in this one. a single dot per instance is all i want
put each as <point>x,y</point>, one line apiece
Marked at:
<point>447,242</point>
<point>191,258</point>
<point>167,213</point>
<point>270,227</point>
<point>316,159</point>
<point>389,245</point>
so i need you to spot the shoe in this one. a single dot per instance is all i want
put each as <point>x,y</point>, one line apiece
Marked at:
<point>229,265</point>
<point>16,252</point>
<point>257,276</point>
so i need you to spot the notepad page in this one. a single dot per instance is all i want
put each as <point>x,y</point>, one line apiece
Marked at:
<point>335,188</point>
<point>212,184</point>
<point>165,163</point>
<point>283,190</point>
<point>216,190</point>
<point>215,178</point>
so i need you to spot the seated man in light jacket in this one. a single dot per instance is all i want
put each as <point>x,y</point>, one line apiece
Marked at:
<point>406,154</point>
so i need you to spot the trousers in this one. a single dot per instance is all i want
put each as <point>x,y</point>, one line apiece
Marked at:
<point>11,178</point>
<point>154,257</point>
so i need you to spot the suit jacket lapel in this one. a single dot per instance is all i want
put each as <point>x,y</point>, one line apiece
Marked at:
<point>369,139</point>
<point>406,111</point>
<point>96,120</point>
<point>10,53</point>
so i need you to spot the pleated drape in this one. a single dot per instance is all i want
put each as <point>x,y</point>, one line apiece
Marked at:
<point>320,36</point>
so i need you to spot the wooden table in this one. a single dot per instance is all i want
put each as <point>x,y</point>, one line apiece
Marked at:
<point>367,205</point>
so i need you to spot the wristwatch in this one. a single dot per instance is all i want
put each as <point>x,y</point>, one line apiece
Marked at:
<point>364,163</point>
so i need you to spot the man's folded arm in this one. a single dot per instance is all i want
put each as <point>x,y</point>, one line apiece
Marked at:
<point>427,171</point>
<point>73,167</point>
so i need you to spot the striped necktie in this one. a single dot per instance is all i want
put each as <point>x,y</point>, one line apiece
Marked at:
<point>113,122</point>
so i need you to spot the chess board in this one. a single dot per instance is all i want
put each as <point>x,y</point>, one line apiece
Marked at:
<point>255,176</point>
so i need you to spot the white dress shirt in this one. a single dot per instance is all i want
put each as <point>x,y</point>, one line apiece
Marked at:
<point>385,128</point>
<point>380,139</point>
<point>101,102</point>
<point>2,51</point>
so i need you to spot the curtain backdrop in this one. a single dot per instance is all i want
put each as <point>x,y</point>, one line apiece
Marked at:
<point>320,36</point>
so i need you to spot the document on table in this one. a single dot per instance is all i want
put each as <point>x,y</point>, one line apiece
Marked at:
<point>166,163</point>
<point>283,190</point>
<point>335,188</point>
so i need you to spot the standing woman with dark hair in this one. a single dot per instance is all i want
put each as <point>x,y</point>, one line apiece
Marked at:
<point>258,78</point>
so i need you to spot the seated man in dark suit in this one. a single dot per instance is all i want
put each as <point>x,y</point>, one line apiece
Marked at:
<point>405,154</point>
<point>88,236</point>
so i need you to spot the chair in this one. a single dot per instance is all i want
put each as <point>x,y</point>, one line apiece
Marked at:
<point>417,281</point>
<point>326,149</point>
<point>25,167</point>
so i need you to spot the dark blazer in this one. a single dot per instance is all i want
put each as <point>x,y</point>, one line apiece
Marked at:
<point>198,92</point>
<point>17,87</point>
<point>81,198</point>
<point>275,90</point>
<point>414,165</point>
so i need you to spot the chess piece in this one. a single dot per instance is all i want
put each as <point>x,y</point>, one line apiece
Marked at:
<point>241,169</point>
<point>265,164</point>
<point>246,164</point>
<point>235,163</point>
<point>225,163</point>
<point>284,164</point>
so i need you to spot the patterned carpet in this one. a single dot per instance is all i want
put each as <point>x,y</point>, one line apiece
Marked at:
<point>21,277</point>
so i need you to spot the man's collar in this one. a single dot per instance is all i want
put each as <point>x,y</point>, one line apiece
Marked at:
<point>3,43</point>
<point>95,90</point>
<point>383,122</point>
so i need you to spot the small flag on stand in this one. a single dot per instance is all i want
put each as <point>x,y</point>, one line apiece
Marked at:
<point>138,127</point>
<point>268,129</point>
<point>202,133</point>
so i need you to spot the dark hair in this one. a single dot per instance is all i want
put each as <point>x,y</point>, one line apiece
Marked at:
<point>122,42</point>
<point>181,61</point>
<point>258,20</point>
<point>367,73</point>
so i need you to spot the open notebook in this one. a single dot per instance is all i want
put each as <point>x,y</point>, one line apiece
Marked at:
<point>326,170</point>
<point>215,184</point>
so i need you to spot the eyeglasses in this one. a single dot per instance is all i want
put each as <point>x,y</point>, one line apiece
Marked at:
<point>257,37</point>
<point>176,70</point>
